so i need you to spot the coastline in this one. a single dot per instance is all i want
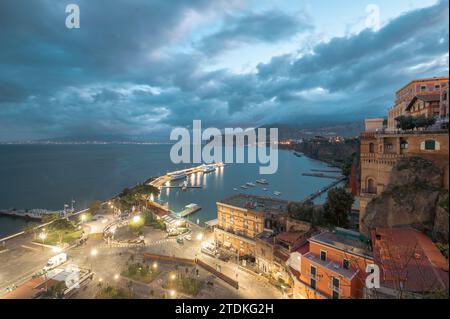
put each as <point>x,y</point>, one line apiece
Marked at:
<point>146,181</point>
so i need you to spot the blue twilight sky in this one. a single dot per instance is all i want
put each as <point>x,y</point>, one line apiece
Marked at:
<point>137,68</point>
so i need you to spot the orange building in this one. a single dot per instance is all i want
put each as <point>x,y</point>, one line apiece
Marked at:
<point>333,267</point>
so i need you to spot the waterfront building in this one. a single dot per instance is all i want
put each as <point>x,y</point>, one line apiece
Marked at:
<point>415,88</point>
<point>381,148</point>
<point>380,151</point>
<point>409,263</point>
<point>241,218</point>
<point>332,265</point>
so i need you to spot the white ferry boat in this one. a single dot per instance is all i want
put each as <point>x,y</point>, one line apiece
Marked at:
<point>178,176</point>
<point>208,168</point>
<point>262,181</point>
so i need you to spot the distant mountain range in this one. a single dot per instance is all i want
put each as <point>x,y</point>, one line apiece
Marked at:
<point>285,131</point>
<point>292,131</point>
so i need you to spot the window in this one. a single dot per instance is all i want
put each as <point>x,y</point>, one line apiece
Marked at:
<point>313,277</point>
<point>323,255</point>
<point>346,264</point>
<point>430,145</point>
<point>404,145</point>
<point>371,148</point>
<point>335,286</point>
<point>423,88</point>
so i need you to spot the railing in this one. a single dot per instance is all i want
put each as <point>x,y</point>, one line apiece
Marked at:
<point>369,192</point>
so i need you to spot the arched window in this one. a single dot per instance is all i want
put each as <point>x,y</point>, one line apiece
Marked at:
<point>371,188</point>
<point>371,148</point>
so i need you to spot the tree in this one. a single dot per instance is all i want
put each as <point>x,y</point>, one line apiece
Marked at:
<point>94,207</point>
<point>405,123</point>
<point>301,211</point>
<point>424,122</point>
<point>338,206</point>
<point>47,218</point>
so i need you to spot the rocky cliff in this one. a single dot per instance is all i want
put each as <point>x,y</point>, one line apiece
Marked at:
<point>414,197</point>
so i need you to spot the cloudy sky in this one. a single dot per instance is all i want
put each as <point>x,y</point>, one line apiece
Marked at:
<point>137,68</point>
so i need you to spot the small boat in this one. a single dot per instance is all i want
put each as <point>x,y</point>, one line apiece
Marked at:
<point>185,185</point>
<point>277,193</point>
<point>298,154</point>
<point>235,189</point>
<point>262,181</point>
<point>250,184</point>
<point>178,176</point>
<point>265,189</point>
<point>244,187</point>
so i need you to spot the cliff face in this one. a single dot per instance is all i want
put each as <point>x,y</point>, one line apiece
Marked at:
<point>414,197</point>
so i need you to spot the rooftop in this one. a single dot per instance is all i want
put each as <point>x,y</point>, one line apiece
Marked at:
<point>257,203</point>
<point>330,265</point>
<point>290,237</point>
<point>409,258</point>
<point>266,236</point>
<point>425,98</point>
<point>345,240</point>
<point>434,79</point>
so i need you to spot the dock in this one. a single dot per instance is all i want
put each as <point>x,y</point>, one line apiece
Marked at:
<point>321,175</point>
<point>189,210</point>
<point>160,182</point>
<point>324,190</point>
<point>326,171</point>
<point>180,186</point>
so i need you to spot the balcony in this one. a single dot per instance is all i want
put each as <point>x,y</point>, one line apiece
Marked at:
<point>370,193</point>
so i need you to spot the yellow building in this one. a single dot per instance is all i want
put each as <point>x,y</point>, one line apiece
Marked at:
<point>242,217</point>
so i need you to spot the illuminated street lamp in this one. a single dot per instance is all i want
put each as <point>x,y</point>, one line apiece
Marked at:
<point>116,276</point>
<point>83,218</point>
<point>173,277</point>
<point>172,293</point>
<point>136,219</point>
<point>155,265</point>
<point>200,236</point>
<point>94,252</point>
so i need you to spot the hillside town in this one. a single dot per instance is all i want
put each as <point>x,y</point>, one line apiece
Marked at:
<point>384,234</point>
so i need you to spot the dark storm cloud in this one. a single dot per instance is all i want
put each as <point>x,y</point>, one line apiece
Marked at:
<point>115,75</point>
<point>268,26</point>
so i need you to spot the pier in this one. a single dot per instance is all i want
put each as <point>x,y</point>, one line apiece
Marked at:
<point>160,182</point>
<point>324,190</point>
<point>321,175</point>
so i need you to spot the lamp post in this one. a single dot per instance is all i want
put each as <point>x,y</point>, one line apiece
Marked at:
<point>94,253</point>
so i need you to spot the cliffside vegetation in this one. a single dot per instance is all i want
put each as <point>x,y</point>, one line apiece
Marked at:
<point>414,197</point>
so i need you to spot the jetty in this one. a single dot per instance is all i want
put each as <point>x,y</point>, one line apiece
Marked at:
<point>189,210</point>
<point>322,175</point>
<point>326,171</point>
<point>161,181</point>
<point>323,190</point>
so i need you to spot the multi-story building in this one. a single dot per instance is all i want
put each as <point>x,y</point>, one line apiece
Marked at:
<point>381,148</point>
<point>409,264</point>
<point>242,217</point>
<point>414,88</point>
<point>273,252</point>
<point>443,114</point>
<point>380,151</point>
<point>425,105</point>
<point>333,266</point>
